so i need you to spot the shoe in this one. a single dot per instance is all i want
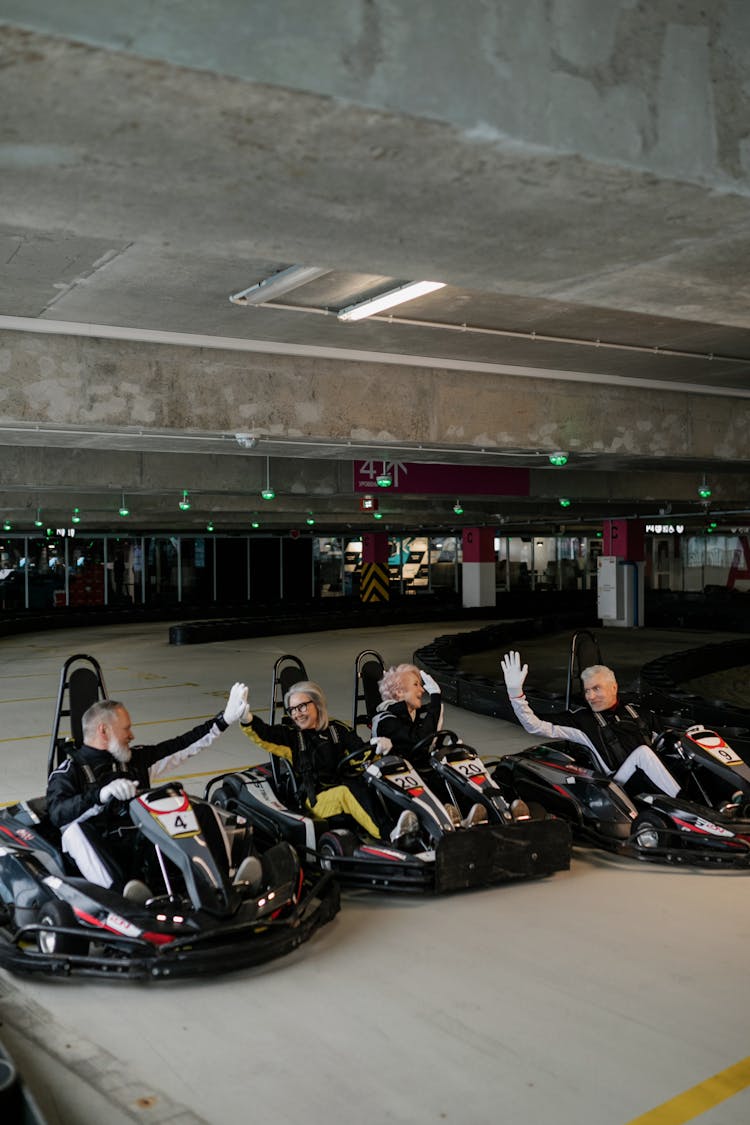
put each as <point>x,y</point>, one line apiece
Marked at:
<point>520,810</point>
<point>250,871</point>
<point>477,814</point>
<point>137,891</point>
<point>732,806</point>
<point>454,814</point>
<point>407,825</point>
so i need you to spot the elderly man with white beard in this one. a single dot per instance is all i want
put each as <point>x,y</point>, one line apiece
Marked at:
<point>87,794</point>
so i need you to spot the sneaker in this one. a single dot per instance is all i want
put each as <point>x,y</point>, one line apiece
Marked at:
<point>454,815</point>
<point>137,891</point>
<point>520,810</point>
<point>732,806</point>
<point>250,871</point>
<point>407,825</point>
<point>477,814</point>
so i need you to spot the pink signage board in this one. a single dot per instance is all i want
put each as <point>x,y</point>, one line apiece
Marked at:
<point>422,478</point>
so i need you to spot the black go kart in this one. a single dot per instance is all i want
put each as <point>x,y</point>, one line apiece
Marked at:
<point>215,902</point>
<point>649,825</point>
<point>439,857</point>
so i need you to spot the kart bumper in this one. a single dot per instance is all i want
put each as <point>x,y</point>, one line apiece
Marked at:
<point>225,948</point>
<point>495,853</point>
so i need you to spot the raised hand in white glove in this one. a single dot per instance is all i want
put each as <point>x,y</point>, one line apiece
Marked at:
<point>236,707</point>
<point>121,789</point>
<point>430,685</point>
<point>382,745</point>
<point>513,672</point>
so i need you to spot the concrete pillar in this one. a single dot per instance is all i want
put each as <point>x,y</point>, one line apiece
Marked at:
<point>374,583</point>
<point>478,569</point>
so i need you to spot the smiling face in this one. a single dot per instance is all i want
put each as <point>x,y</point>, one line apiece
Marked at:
<point>411,690</point>
<point>302,711</point>
<point>600,691</point>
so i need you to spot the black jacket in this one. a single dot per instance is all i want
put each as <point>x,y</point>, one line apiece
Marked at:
<point>73,788</point>
<point>314,754</point>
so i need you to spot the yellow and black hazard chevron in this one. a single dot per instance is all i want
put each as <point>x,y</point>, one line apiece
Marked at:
<point>374,583</point>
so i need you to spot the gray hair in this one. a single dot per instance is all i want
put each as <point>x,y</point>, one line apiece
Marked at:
<point>308,687</point>
<point>389,685</point>
<point>597,670</point>
<point>103,711</point>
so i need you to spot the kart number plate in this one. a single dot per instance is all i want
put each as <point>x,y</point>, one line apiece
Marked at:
<point>180,822</point>
<point>406,780</point>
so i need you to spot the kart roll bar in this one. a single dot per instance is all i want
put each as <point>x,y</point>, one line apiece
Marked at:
<point>368,670</point>
<point>82,681</point>
<point>584,651</point>
<point>287,671</point>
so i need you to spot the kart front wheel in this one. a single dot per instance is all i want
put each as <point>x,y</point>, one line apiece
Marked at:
<point>336,843</point>
<point>59,914</point>
<point>649,831</point>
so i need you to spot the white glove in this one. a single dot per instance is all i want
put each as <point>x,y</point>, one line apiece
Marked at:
<point>430,684</point>
<point>382,745</point>
<point>236,707</point>
<point>121,789</point>
<point>514,674</point>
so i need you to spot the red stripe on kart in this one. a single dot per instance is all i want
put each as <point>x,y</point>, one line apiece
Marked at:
<point>158,939</point>
<point>14,838</point>
<point>380,854</point>
<point>416,792</point>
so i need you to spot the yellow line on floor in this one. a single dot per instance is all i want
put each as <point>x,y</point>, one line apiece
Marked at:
<point>699,1099</point>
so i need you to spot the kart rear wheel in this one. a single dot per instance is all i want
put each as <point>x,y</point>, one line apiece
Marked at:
<point>336,843</point>
<point>649,831</point>
<point>55,913</point>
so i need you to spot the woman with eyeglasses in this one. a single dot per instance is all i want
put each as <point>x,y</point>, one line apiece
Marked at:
<point>315,745</point>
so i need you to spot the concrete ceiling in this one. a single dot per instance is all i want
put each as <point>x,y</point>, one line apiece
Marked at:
<point>578,179</point>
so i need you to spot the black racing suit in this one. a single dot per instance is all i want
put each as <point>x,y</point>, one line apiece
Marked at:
<point>314,756</point>
<point>73,796</point>
<point>392,720</point>
<point>620,740</point>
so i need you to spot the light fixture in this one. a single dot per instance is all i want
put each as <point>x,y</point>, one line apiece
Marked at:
<point>184,504</point>
<point>310,521</point>
<point>7,525</point>
<point>124,510</point>
<point>277,284</point>
<point>210,525</point>
<point>76,516</point>
<point>377,515</point>
<point>38,522</point>
<point>703,489</point>
<point>458,509</point>
<point>387,300</point>
<point>246,441</point>
<point>558,458</point>
<point>268,493</point>
<point>564,502</point>
<point>384,479</point>
<point>255,525</point>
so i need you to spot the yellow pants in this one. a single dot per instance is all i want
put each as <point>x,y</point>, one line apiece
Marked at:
<point>340,799</point>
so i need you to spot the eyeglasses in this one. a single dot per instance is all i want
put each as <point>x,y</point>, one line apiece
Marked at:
<point>300,708</point>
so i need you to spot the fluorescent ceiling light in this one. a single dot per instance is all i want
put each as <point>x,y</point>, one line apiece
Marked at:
<point>389,299</point>
<point>277,284</point>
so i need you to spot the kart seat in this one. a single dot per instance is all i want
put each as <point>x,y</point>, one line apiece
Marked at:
<point>368,671</point>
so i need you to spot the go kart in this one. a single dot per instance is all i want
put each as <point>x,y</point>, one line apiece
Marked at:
<point>559,776</point>
<point>216,905</point>
<point>440,857</point>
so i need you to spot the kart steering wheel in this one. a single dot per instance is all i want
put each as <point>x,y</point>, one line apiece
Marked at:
<point>441,739</point>
<point>364,752</point>
<point>165,790</point>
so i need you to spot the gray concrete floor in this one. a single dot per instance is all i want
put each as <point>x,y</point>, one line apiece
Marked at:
<point>589,998</point>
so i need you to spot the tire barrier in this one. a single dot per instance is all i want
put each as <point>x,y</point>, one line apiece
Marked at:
<point>481,694</point>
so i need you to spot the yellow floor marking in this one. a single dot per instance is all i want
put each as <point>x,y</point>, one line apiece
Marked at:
<point>699,1099</point>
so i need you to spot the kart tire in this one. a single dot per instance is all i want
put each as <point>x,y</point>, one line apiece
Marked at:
<point>55,913</point>
<point>649,831</point>
<point>336,843</point>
